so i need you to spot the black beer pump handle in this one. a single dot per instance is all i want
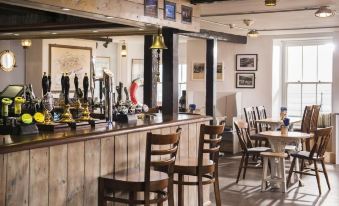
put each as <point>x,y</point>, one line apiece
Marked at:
<point>44,84</point>
<point>49,83</point>
<point>85,86</point>
<point>67,85</point>
<point>63,84</point>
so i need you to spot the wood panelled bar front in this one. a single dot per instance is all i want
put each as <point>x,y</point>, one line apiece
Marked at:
<point>62,168</point>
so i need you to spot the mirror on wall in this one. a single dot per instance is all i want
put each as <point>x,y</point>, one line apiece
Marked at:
<point>7,60</point>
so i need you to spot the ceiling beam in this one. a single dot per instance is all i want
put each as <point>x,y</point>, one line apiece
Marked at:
<point>220,36</point>
<point>205,1</point>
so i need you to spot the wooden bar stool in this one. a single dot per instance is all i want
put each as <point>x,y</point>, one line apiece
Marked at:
<point>204,168</point>
<point>148,180</point>
<point>279,168</point>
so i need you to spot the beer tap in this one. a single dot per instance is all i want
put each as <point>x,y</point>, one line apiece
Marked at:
<point>66,116</point>
<point>108,81</point>
<point>76,93</point>
<point>85,112</point>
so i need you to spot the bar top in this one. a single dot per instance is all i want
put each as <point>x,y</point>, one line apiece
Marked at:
<point>44,139</point>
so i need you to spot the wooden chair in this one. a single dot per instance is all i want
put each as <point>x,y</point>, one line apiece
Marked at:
<point>148,180</point>
<point>261,112</point>
<point>313,125</point>
<point>204,168</point>
<point>247,148</point>
<point>253,129</point>
<point>321,139</point>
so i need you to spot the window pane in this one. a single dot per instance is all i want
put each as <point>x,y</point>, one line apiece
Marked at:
<point>180,74</point>
<point>324,97</point>
<point>294,99</point>
<point>309,94</point>
<point>325,56</point>
<point>294,64</point>
<point>310,63</point>
<point>184,73</point>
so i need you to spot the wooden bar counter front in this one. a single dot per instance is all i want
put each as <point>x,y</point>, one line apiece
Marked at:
<point>62,168</point>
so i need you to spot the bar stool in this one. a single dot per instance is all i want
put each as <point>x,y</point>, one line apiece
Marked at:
<point>201,167</point>
<point>148,180</point>
<point>275,168</point>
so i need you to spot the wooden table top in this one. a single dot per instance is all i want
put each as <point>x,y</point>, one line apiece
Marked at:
<point>272,120</point>
<point>291,135</point>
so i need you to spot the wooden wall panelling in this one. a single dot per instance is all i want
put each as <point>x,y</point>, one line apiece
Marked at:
<point>175,187</point>
<point>184,145</point>
<point>58,175</point>
<point>92,172</point>
<point>107,157</point>
<point>17,178</point>
<point>38,183</point>
<point>193,137</point>
<point>133,150</point>
<point>3,167</point>
<point>120,163</point>
<point>76,174</point>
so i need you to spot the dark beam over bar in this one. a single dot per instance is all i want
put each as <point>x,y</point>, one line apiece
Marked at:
<point>170,73</point>
<point>150,86</point>
<point>211,68</point>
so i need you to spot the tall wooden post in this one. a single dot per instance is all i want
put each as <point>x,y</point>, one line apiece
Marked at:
<point>211,71</point>
<point>150,84</point>
<point>170,73</point>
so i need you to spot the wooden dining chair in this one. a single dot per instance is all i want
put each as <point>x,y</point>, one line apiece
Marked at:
<point>247,149</point>
<point>253,129</point>
<point>321,140</point>
<point>313,125</point>
<point>150,180</point>
<point>261,112</point>
<point>204,168</point>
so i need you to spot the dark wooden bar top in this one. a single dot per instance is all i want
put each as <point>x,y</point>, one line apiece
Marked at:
<point>45,139</point>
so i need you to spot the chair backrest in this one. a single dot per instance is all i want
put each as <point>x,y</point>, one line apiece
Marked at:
<point>210,135</point>
<point>314,118</point>
<point>321,140</point>
<point>261,112</point>
<point>306,121</point>
<point>168,151</point>
<point>251,119</point>
<point>243,135</point>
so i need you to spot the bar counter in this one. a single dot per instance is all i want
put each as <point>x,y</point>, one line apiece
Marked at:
<point>62,168</point>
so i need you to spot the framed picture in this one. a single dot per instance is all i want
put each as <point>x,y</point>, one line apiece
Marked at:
<point>247,62</point>
<point>151,8</point>
<point>186,14</point>
<point>101,63</point>
<point>198,71</point>
<point>245,80</point>
<point>71,60</point>
<point>137,70</point>
<point>220,71</point>
<point>170,10</point>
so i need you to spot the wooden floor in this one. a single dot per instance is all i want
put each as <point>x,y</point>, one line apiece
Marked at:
<point>247,192</point>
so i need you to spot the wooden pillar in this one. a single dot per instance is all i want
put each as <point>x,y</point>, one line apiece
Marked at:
<point>211,71</point>
<point>150,84</point>
<point>170,73</point>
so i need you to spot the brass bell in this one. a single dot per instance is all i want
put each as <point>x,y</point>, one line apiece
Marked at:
<point>158,42</point>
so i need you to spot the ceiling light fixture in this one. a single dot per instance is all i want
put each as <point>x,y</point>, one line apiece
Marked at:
<point>270,2</point>
<point>109,17</point>
<point>54,33</point>
<point>248,22</point>
<point>253,33</point>
<point>324,11</point>
<point>105,44</point>
<point>95,31</point>
<point>66,9</point>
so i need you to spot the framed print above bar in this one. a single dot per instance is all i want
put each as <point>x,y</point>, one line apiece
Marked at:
<point>170,10</point>
<point>71,60</point>
<point>245,80</point>
<point>198,71</point>
<point>101,63</point>
<point>151,8</point>
<point>247,62</point>
<point>186,14</point>
<point>220,71</point>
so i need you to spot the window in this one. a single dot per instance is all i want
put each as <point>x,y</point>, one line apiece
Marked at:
<point>308,75</point>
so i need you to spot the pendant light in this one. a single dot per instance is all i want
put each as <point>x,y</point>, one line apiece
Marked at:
<point>123,49</point>
<point>253,33</point>
<point>324,12</point>
<point>158,44</point>
<point>270,2</point>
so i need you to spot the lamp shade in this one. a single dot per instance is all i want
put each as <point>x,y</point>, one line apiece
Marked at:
<point>124,50</point>
<point>25,43</point>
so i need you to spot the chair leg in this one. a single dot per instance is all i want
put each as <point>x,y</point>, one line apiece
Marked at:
<point>290,172</point>
<point>325,173</point>
<point>240,167</point>
<point>216,188</point>
<point>317,176</point>
<point>180,190</point>
<point>245,167</point>
<point>132,196</point>
<point>200,191</point>
<point>101,194</point>
<point>147,197</point>
<point>170,192</point>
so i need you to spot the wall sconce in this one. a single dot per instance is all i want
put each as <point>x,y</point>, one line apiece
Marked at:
<point>25,43</point>
<point>123,49</point>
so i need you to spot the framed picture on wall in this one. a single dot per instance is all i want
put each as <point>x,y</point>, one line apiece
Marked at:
<point>186,14</point>
<point>247,62</point>
<point>198,71</point>
<point>245,80</point>
<point>151,8</point>
<point>101,63</point>
<point>170,10</point>
<point>71,60</point>
<point>220,71</point>
<point>137,71</point>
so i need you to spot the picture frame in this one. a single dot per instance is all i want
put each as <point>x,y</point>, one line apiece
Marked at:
<point>245,80</point>
<point>137,70</point>
<point>198,71</point>
<point>101,63</point>
<point>186,14</point>
<point>220,71</point>
<point>246,62</point>
<point>151,8</point>
<point>71,60</point>
<point>170,10</point>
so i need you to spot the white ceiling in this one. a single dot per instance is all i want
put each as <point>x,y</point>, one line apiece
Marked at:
<point>276,23</point>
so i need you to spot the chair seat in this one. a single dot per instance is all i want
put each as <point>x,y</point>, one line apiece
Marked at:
<point>305,155</point>
<point>189,166</point>
<point>258,149</point>
<point>290,148</point>
<point>134,180</point>
<point>274,154</point>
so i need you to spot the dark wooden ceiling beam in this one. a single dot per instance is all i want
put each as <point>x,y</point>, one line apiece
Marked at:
<point>220,36</point>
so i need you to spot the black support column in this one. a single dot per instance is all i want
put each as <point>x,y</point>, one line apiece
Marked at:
<point>170,73</point>
<point>150,84</point>
<point>211,71</point>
